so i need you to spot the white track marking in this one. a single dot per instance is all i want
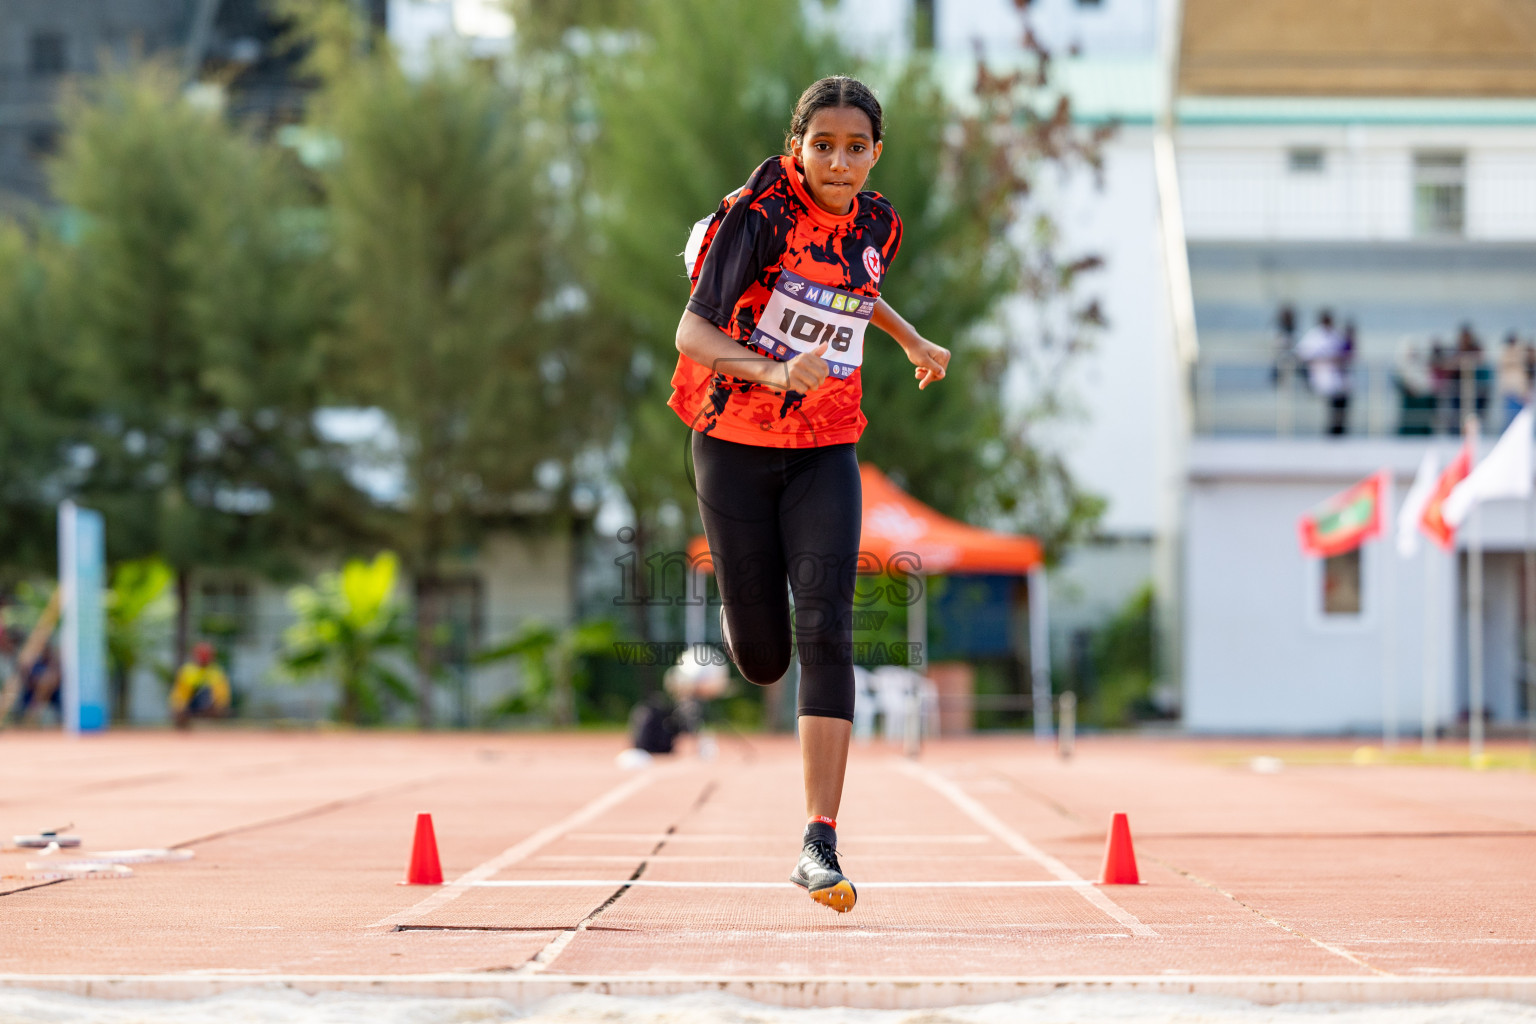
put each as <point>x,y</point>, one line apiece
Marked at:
<point>543,837</point>
<point>886,991</point>
<point>686,837</point>
<point>989,821</point>
<point>737,858</point>
<point>546,956</point>
<point>615,883</point>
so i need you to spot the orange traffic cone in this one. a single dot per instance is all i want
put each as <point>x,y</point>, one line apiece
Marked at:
<point>1119,857</point>
<point>425,868</point>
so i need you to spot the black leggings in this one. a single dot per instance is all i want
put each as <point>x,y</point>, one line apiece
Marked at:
<point>776,513</point>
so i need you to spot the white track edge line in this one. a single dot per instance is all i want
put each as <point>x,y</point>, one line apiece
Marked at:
<point>887,991</point>
<point>989,821</point>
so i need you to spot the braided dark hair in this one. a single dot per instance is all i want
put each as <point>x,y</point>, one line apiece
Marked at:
<point>834,91</point>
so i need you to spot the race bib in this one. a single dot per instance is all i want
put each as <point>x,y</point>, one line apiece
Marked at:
<point>801,314</point>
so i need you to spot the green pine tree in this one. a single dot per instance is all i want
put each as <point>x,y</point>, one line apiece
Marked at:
<point>463,321</point>
<point>195,282</point>
<point>684,112</point>
<point>35,409</point>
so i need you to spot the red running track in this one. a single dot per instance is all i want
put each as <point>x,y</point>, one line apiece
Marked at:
<point>565,872</point>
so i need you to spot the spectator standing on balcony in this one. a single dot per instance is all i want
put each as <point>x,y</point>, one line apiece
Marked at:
<point>1514,380</point>
<point>1468,374</point>
<point>1415,389</point>
<point>1442,375</point>
<point>1285,344</point>
<point>1322,349</point>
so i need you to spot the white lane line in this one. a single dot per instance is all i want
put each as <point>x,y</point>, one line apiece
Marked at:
<point>728,858</point>
<point>989,821</point>
<point>543,837</point>
<point>614,883</point>
<point>698,837</point>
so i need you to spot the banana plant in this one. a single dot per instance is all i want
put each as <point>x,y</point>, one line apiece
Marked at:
<point>349,627</point>
<point>551,664</point>
<point>138,607</point>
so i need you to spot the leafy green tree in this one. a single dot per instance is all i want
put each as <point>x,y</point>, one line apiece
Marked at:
<point>1124,666</point>
<point>196,285</point>
<point>351,629</point>
<point>461,320</point>
<point>684,112</point>
<point>137,607</point>
<point>553,666</point>
<point>35,411</point>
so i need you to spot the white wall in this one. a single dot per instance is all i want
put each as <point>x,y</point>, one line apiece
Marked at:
<point>1237,186</point>
<point>1110,27</point>
<point>1113,449</point>
<point>1259,655</point>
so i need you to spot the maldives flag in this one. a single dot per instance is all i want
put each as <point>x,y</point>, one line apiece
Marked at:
<point>1433,522</point>
<point>1346,520</point>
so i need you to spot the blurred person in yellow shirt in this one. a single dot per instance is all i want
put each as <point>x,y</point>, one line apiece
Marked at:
<point>201,689</point>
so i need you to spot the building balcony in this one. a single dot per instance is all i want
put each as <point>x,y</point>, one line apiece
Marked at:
<point>1243,397</point>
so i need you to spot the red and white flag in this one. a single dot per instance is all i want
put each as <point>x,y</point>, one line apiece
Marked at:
<point>1504,473</point>
<point>1432,522</point>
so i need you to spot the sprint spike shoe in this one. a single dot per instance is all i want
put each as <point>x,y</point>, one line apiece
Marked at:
<point>725,636</point>
<point>818,872</point>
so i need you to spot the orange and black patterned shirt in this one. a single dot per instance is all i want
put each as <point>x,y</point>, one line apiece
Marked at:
<point>769,249</point>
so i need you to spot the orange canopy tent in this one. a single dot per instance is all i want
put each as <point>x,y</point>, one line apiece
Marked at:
<point>903,535</point>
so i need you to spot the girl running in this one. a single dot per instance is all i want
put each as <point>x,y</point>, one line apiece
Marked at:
<point>786,277</point>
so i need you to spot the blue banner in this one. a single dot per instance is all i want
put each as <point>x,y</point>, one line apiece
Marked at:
<point>83,633</point>
<point>971,616</point>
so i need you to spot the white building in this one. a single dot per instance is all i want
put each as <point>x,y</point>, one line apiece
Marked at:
<point>1106,58</point>
<point>1369,164</point>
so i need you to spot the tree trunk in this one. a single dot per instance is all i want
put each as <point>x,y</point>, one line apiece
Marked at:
<point>183,614</point>
<point>642,580</point>
<point>347,712</point>
<point>426,628</point>
<point>121,680</point>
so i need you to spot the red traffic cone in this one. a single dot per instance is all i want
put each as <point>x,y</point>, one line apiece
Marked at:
<point>1119,857</point>
<point>425,868</point>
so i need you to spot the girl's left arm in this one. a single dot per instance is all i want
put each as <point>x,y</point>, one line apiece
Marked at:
<point>931,361</point>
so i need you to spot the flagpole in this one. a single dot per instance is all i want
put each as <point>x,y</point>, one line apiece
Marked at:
<point>1388,623</point>
<point>1474,611</point>
<point>1431,647</point>
<point>1530,617</point>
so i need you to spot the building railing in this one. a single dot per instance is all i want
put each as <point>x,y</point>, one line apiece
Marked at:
<point>1241,396</point>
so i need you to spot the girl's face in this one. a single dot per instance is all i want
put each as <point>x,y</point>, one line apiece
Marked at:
<point>838,150</point>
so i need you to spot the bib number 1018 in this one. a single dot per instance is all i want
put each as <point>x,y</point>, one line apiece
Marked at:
<point>805,328</point>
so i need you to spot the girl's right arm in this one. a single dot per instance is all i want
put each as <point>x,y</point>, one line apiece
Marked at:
<point>710,347</point>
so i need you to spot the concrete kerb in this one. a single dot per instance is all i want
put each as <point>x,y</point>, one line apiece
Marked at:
<point>873,992</point>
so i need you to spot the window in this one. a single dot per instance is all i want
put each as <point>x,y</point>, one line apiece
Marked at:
<point>1306,161</point>
<point>1439,194</point>
<point>42,140</point>
<point>455,606</point>
<point>1341,584</point>
<point>924,22</point>
<point>47,57</point>
<point>225,611</point>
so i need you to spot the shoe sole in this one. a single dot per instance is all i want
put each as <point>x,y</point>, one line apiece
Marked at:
<point>840,897</point>
<point>725,637</point>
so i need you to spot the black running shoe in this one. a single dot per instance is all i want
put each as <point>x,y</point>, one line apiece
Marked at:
<point>818,872</point>
<point>725,636</point>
